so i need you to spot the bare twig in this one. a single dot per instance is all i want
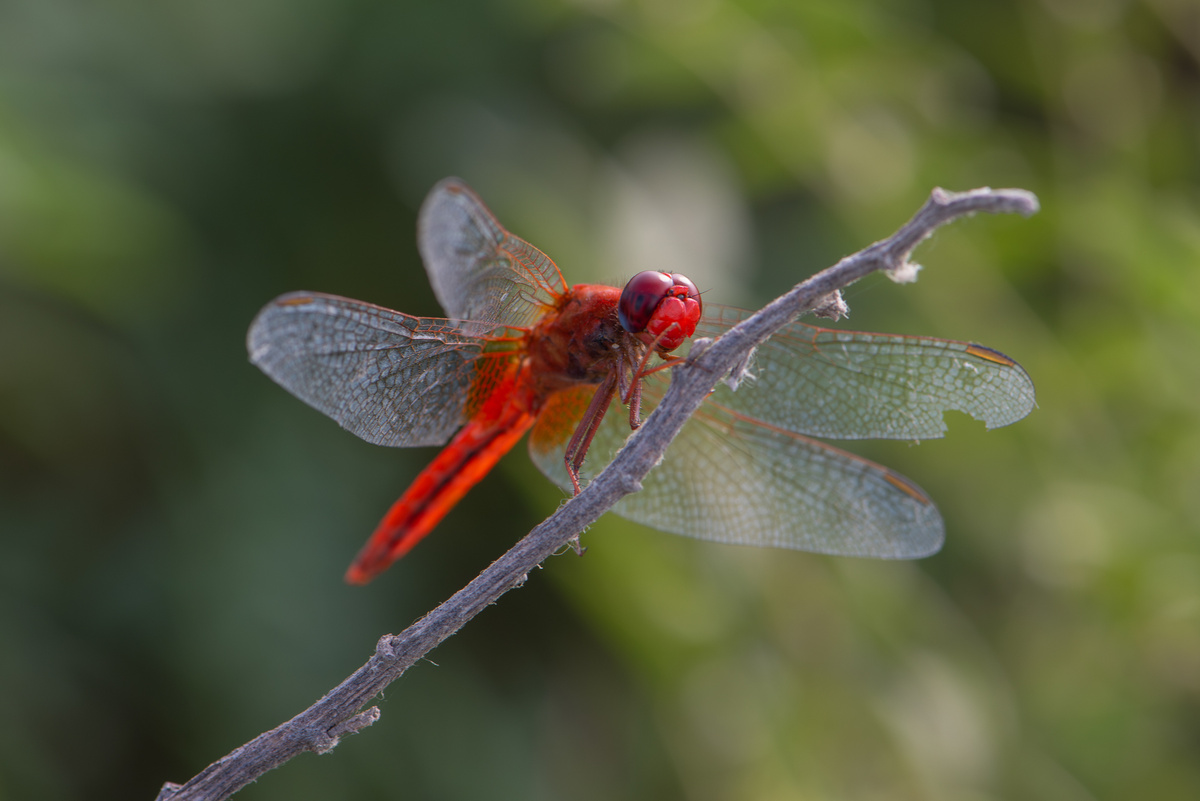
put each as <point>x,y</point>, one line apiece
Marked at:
<point>319,727</point>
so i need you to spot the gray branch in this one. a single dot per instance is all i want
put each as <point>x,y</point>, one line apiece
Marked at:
<point>340,711</point>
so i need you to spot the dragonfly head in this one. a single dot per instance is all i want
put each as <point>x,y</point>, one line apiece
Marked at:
<point>661,309</point>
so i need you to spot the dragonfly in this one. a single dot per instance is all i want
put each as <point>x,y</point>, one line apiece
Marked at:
<point>520,351</point>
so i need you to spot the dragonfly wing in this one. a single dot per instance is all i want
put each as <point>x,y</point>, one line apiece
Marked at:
<point>854,385</point>
<point>387,377</point>
<point>478,270</point>
<point>729,478</point>
<point>744,470</point>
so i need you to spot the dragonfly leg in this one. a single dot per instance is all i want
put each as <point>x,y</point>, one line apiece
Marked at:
<point>634,401</point>
<point>585,432</point>
<point>632,395</point>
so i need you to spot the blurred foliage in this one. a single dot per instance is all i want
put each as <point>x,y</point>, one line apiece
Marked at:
<point>173,527</point>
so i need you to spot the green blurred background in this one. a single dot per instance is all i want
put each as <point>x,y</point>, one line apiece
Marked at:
<point>174,527</point>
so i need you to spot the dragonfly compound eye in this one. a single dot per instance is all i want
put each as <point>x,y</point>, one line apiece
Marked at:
<point>663,308</point>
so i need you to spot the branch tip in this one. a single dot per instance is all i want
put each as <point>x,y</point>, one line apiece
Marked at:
<point>994,201</point>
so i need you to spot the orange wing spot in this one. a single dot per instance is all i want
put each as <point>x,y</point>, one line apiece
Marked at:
<point>987,354</point>
<point>557,420</point>
<point>491,371</point>
<point>294,302</point>
<point>904,485</point>
<point>515,338</point>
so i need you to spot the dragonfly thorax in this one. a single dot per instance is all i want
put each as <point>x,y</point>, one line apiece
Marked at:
<point>580,342</point>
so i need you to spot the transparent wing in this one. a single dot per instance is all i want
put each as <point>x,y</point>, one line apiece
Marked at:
<point>743,470</point>
<point>854,385</point>
<point>730,479</point>
<point>387,377</point>
<point>479,271</point>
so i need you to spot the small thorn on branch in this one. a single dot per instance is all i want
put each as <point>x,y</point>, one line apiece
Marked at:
<point>352,725</point>
<point>168,791</point>
<point>832,306</point>
<point>906,273</point>
<point>385,649</point>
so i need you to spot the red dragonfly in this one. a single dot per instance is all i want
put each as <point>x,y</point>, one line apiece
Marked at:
<point>521,351</point>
